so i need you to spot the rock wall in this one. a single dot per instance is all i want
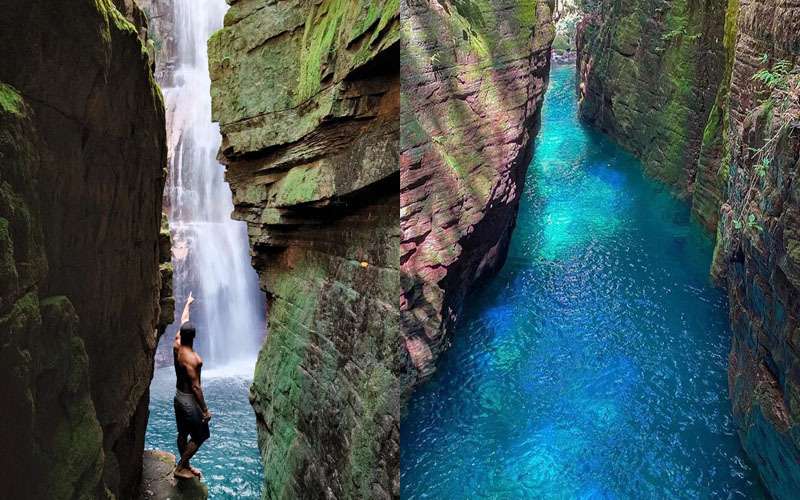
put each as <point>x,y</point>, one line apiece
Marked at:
<point>473,81</point>
<point>161,42</point>
<point>307,95</point>
<point>83,149</point>
<point>649,74</point>
<point>758,244</point>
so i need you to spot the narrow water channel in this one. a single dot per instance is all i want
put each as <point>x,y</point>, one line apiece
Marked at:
<point>594,364</point>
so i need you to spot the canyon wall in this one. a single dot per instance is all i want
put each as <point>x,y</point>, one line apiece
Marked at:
<point>758,243</point>
<point>739,158</point>
<point>83,149</point>
<point>648,76</point>
<point>473,81</point>
<point>307,95</point>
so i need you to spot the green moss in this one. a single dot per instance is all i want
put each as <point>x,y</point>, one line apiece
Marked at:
<point>711,132</point>
<point>679,59</point>
<point>715,132</point>
<point>11,101</point>
<point>628,32</point>
<point>318,37</point>
<point>375,389</point>
<point>114,16</point>
<point>412,133</point>
<point>525,12</point>
<point>301,185</point>
<point>8,268</point>
<point>279,378</point>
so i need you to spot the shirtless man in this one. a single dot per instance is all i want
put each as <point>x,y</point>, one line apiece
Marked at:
<point>191,411</point>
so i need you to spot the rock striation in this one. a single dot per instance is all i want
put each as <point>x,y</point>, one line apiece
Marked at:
<point>307,95</point>
<point>758,237</point>
<point>474,77</point>
<point>83,148</point>
<point>648,76</point>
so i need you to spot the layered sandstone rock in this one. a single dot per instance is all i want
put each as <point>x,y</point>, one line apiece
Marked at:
<point>83,154</point>
<point>307,96</point>
<point>758,247</point>
<point>649,71</point>
<point>473,81</point>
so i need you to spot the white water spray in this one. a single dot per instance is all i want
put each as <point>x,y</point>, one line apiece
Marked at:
<point>210,251</point>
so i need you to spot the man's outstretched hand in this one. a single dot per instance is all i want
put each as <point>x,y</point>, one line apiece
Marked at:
<point>186,309</point>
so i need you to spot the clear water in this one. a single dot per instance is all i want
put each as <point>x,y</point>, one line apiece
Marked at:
<point>594,365</point>
<point>210,255</point>
<point>229,460</point>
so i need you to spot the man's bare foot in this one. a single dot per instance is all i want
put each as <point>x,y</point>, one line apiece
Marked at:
<point>196,471</point>
<point>183,473</point>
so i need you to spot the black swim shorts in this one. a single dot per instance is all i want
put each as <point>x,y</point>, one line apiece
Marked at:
<point>189,417</point>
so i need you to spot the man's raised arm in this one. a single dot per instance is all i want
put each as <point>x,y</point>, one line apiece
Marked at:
<point>186,311</point>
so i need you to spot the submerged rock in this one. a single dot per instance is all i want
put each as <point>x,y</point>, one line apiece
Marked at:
<point>158,483</point>
<point>473,82</point>
<point>307,96</point>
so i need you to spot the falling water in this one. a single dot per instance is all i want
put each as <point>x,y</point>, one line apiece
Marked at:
<point>210,250</point>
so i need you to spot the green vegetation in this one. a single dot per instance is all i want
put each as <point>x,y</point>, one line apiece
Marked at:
<point>11,101</point>
<point>318,37</point>
<point>777,77</point>
<point>780,113</point>
<point>158,44</point>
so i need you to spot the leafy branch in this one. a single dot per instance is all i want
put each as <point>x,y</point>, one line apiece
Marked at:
<point>782,81</point>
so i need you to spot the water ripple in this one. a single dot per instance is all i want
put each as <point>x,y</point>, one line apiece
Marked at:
<point>594,365</point>
<point>230,460</point>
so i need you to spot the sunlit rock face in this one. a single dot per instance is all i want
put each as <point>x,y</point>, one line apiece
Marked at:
<point>162,40</point>
<point>758,244</point>
<point>649,72</point>
<point>83,155</point>
<point>307,96</point>
<point>473,81</point>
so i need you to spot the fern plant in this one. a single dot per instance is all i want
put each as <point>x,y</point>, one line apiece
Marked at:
<point>783,83</point>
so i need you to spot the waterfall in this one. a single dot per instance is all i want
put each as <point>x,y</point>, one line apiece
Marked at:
<point>210,252</point>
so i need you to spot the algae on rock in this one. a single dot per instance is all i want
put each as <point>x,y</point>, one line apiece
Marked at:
<point>307,96</point>
<point>84,148</point>
<point>648,76</point>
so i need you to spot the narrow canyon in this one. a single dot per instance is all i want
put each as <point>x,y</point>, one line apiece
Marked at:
<point>588,210</point>
<point>705,96</point>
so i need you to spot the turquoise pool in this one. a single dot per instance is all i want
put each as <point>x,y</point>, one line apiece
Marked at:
<point>594,364</point>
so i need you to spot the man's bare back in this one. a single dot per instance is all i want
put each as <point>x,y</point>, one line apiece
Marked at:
<point>188,364</point>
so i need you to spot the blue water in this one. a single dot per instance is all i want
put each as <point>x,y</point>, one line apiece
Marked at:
<point>594,364</point>
<point>229,460</point>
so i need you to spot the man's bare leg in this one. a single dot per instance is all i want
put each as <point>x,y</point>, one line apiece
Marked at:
<point>184,470</point>
<point>182,440</point>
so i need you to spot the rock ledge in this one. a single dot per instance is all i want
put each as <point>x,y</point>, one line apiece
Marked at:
<point>159,484</point>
